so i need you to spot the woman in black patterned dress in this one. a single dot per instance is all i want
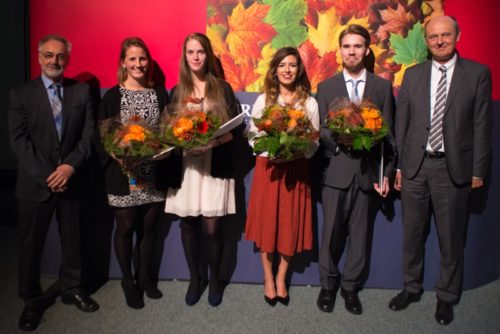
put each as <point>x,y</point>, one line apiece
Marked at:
<point>136,201</point>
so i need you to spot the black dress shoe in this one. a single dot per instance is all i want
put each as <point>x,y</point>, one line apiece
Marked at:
<point>403,299</point>
<point>326,300</point>
<point>352,303</point>
<point>30,319</point>
<point>214,293</point>
<point>271,301</point>
<point>82,301</point>
<point>444,312</point>
<point>195,290</point>
<point>133,295</point>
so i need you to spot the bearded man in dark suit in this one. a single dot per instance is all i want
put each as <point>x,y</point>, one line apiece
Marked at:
<point>51,125</point>
<point>443,134</point>
<point>351,176</point>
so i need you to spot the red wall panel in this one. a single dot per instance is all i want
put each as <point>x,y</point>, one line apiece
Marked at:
<point>96,29</point>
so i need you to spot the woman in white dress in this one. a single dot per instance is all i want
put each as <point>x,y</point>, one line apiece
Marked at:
<point>207,189</point>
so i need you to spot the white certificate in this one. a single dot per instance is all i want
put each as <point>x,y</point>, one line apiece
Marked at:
<point>229,125</point>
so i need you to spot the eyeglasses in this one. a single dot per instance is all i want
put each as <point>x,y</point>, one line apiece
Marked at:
<point>50,55</point>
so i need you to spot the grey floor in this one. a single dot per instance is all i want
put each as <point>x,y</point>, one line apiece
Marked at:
<point>243,310</point>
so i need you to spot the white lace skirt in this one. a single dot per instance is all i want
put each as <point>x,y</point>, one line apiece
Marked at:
<point>200,193</point>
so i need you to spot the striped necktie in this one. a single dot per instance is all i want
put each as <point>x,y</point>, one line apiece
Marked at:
<point>56,103</point>
<point>436,132</point>
<point>354,91</point>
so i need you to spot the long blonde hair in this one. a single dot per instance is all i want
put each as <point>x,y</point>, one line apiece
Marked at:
<point>214,91</point>
<point>272,85</point>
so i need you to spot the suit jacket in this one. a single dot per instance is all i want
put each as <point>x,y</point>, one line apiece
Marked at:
<point>35,142</point>
<point>342,166</point>
<point>466,124</point>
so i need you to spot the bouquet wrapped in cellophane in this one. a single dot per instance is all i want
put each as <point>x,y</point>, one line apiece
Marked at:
<point>357,126</point>
<point>285,132</point>
<point>190,127</point>
<point>132,141</point>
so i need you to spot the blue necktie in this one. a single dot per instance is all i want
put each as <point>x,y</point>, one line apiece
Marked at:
<point>56,103</point>
<point>354,91</point>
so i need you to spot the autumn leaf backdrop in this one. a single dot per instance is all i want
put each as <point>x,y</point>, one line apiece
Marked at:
<point>245,35</point>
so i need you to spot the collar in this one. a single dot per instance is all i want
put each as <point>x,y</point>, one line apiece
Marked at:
<point>348,77</point>
<point>47,82</point>
<point>448,65</point>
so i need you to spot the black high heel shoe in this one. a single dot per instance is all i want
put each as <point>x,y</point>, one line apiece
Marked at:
<point>133,295</point>
<point>283,300</point>
<point>271,301</point>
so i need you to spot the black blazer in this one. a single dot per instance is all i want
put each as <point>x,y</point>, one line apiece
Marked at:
<point>167,170</point>
<point>466,124</point>
<point>222,155</point>
<point>34,139</point>
<point>343,166</point>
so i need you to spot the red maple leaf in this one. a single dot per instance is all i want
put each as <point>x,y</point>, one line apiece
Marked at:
<point>317,68</point>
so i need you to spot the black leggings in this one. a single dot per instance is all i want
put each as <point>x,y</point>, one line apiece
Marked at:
<point>208,242</point>
<point>140,219</point>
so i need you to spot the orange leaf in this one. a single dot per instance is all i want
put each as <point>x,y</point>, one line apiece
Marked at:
<point>318,68</point>
<point>248,32</point>
<point>238,76</point>
<point>397,22</point>
<point>349,8</point>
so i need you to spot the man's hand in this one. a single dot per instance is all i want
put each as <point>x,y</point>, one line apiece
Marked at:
<point>397,181</point>
<point>58,180</point>
<point>384,190</point>
<point>477,182</point>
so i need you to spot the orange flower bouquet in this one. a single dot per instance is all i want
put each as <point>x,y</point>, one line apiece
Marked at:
<point>131,141</point>
<point>359,127</point>
<point>190,128</point>
<point>288,132</point>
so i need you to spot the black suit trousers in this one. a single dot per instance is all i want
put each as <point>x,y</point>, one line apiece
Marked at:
<point>34,222</point>
<point>432,188</point>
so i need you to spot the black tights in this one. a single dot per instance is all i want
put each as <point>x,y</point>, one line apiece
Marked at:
<point>140,219</point>
<point>194,245</point>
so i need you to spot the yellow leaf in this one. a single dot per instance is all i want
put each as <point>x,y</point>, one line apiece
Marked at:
<point>216,34</point>
<point>325,37</point>
<point>398,76</point>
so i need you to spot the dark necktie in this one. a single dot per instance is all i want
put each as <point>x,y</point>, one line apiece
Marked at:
<point>56,103</point>
<point>436,132</point>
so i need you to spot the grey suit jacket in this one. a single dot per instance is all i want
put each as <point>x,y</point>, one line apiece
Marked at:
<point>34,137</point>
<point>466,125</point>
<point>342,167</point>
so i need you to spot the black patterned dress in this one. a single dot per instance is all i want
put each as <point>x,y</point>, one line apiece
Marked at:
<point>142,104</point>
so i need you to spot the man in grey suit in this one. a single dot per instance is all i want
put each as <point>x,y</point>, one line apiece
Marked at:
<point>443,129</point>
<point>51,125</point>
<point>351,176</point>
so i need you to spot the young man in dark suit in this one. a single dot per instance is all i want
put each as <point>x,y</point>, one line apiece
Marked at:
<point>51,125</point>
<point>351,176</point>
<point>443,133</point>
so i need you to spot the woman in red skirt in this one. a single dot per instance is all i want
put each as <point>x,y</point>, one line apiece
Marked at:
<point>280,207</point>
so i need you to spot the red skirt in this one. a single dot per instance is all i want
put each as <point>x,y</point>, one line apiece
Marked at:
<point>279,214</point>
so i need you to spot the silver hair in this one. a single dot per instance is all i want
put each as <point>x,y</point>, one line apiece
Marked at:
<point>53,37</point>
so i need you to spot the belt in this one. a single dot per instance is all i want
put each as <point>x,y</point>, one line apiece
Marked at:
<point>434,155</point>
